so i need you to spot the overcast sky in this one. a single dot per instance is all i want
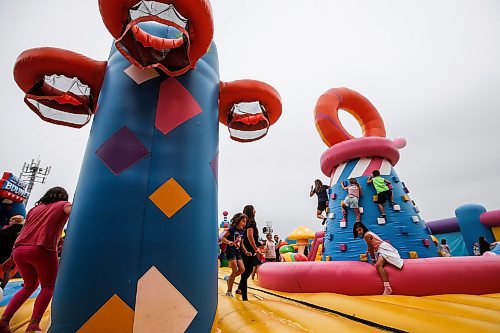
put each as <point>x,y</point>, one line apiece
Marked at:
<point>430,67</point>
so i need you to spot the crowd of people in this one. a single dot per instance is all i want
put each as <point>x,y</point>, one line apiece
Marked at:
<point>244,251</point>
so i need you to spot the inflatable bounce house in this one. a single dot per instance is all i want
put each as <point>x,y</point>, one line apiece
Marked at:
<point>447,286</point>
<point>463,231</point>
<point>149,175</point>
<point>148,183</point>
<point>343,270</point>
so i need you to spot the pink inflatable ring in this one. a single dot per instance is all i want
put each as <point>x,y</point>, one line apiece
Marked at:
<point>372,146</point>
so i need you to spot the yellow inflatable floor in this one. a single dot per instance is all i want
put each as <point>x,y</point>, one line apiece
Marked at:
<point>270,311</point>
<point>325,312</point>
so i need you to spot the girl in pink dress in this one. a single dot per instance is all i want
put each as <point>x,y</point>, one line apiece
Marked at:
<point>380,252</point>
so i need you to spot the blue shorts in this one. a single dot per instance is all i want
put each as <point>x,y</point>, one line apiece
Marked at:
<point>233,255</point>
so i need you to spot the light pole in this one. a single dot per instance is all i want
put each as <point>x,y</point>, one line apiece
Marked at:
<point>32,173</point>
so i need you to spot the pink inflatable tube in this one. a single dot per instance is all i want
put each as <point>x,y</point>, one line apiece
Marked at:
<point>490,219</point>
<point>419,277</point>
<point>372,146</point>
<point>318,239</point>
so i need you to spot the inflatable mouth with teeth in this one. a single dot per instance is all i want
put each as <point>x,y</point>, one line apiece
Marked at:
<point>149,175</point>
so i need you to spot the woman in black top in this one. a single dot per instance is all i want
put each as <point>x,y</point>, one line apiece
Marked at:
<point>251,244</point>
<point>320,190</point>
<point>8,237</point>
<point>484,245</point>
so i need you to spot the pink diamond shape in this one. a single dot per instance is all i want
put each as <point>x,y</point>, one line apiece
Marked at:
<point>175,106</point>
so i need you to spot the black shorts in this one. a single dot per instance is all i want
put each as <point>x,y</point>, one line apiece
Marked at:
<point>233,255</point>
<point>322,205</point>
<point>382,197</point>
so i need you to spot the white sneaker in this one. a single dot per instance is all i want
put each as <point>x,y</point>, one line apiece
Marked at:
<point>229,294</point>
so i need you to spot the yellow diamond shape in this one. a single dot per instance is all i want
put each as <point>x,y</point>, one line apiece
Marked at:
<point>114,316</point>
<point>170,197</point>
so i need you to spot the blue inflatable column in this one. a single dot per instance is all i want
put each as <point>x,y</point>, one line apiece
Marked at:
<point>139,254</point>
<point>470,226</point>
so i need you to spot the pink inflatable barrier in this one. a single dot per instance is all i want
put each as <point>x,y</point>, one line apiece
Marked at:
<point>419,277</point>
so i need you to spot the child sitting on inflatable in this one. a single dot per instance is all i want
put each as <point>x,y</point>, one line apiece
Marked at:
<point>352,199</point>
<point>383,191</point>
<point>381,253</point>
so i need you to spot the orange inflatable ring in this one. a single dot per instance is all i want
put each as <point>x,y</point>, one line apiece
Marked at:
<point>327,121</point>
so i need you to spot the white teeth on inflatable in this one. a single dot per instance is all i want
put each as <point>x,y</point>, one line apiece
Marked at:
<point>1,294</point>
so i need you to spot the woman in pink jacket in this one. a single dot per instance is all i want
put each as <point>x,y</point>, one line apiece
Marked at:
<point>35,255</point>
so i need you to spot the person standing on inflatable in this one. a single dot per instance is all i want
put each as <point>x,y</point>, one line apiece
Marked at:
<point>35,255</point>
<point>383,191</point>
<point>233,238</point>
<point>381,253</point>
<point>277,242</point>
<point>253,256</point>
<point>444,249</point>
<point>320,190</point>
<point>270,249</point>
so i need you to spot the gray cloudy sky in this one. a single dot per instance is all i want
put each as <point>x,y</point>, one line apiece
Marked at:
<point>430,67</point>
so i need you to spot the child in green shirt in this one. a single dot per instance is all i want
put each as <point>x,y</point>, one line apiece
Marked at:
<point>383,190</point>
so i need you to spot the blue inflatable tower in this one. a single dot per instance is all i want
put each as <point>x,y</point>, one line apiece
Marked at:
<point>350,157</point>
